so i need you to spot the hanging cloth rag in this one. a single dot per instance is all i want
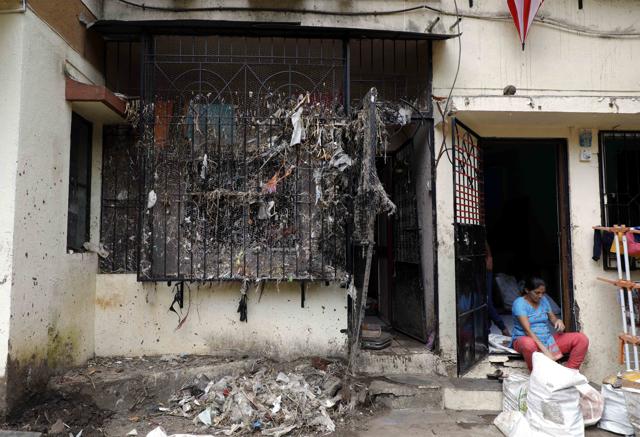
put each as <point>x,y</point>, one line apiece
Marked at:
<point>602,241</point>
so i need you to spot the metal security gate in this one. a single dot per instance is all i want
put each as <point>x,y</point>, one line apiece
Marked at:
<point>470,247</point>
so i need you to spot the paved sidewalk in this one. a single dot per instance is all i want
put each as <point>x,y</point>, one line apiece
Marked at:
<point>419,422</point>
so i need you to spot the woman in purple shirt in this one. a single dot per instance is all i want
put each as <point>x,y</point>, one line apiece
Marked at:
<point>531,316</point>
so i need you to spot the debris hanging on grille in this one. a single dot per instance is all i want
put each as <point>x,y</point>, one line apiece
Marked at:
<point>263,193</point>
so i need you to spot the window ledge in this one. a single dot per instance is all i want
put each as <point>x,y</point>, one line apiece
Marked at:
<point>94,102</point>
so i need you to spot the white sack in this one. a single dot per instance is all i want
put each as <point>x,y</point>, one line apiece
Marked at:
<point>553,402</point>
<point>632,400</point>
<point>513,424</point>
<point>514,391</point>
<point>614,415</point>
<point>591,404</point>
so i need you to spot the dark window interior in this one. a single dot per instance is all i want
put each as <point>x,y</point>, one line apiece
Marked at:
<point>79,183</point>
<point>620,183</point>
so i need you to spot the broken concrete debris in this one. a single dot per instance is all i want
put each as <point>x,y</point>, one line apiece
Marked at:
<point>309,398</point>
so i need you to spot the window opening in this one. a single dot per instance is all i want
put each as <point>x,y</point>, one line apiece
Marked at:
<point>79,183</point>
<point>620,184</point>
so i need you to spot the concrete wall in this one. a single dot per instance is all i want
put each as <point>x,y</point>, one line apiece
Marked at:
<point>565,80</point>
<point>11,35</point>
<point>133,319</point>
<point>51,291</point>
<point>598,310</point>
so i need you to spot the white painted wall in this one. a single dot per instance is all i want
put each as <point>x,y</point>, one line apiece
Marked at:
<point>11,40</point>
<point>52,292</point>
<point>132,319</point>
<point>565,80</point>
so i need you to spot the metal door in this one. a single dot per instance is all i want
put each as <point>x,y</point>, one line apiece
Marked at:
<point>408,299</point>
<point>470,247</point>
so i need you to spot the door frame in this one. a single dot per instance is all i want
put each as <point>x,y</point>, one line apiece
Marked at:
<point>564,217</point>
<point>564,220</point>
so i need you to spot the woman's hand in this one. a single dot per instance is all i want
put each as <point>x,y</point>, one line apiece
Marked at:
<point>559,325</point>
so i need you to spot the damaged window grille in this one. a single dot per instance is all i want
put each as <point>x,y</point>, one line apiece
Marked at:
<point>120,201</point>
<point>241,159</point>
<point>207,94</point>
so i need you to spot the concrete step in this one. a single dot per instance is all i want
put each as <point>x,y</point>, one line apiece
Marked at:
<point>419,391</point>
<point>397,391</point>
<point>390,362</point>
<point>469,394</point>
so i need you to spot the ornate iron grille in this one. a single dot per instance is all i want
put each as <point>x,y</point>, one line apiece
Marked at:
<point>232,186</point>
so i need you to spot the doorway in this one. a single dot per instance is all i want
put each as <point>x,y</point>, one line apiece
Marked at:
<point>399,301</point>
<point>510,200</point>
<point>527,222</point>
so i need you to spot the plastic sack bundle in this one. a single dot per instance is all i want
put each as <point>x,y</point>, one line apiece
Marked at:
<point>591,404</point>
<point>514,391</point>
<point>553,402</point>
<point>632,401</point>
<point>513,424</point>
<point>614,416</point>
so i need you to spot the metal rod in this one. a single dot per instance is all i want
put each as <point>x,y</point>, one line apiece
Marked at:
<point>632,314</point>
<point>623,309</point>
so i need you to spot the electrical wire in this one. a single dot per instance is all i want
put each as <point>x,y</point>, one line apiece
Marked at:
<point>443,147</point>
<point>544,21</point>
<point>281,10</point>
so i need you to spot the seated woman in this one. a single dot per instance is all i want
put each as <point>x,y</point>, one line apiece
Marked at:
<point>531,314</point>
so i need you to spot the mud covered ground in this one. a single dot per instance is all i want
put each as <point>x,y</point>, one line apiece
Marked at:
<point>117,397</point>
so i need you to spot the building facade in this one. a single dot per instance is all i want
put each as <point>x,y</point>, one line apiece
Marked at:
<point>544,139</point>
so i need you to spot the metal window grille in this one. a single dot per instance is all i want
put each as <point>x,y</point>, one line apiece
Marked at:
<point>120,199</point>
<point>231,195</point>
<point>468,177</point>
<point>620,183</point>
<point>218,96</point>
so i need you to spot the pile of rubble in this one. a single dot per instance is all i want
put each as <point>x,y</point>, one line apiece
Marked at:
<point>308,397</point>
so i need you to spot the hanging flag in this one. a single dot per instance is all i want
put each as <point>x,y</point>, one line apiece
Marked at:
<point>523,13</point>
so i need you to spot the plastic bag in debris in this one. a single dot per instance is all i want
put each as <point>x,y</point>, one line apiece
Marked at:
<point>553,402</point>
<point>513,424</point>
<point>591,404</point>
<point>159,432</point>
<point>614,415</point>
<point>514,390</point>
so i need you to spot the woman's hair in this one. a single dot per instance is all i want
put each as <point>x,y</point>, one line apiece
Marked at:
<point>532,283</point>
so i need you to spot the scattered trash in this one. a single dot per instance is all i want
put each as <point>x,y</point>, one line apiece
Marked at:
<point>307,397</point>
<point>96,248</point>
<point>132,432</point>
<point>151,199</point>
<point>204,417</point>
<point>57,427</point>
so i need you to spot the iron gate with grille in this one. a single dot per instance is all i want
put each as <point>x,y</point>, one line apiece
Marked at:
<point>470,247</point>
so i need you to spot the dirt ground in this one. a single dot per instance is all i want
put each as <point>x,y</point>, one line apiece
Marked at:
<point>112,397</point>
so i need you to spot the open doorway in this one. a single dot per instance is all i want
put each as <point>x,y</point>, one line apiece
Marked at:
<point>400,293</point>
<point>526,213</point>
